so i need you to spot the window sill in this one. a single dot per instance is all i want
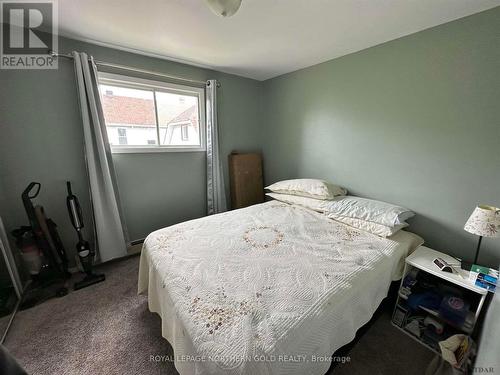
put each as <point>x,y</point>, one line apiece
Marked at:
<point>147,150</point>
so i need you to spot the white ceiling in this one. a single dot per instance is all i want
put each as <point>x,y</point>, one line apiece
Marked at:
<point>265,38</point>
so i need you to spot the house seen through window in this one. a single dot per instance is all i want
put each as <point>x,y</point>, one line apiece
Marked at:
<point>149,115</point>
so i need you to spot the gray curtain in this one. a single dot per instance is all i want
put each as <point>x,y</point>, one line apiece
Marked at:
<point>110,232</point>
<point>216,193</point>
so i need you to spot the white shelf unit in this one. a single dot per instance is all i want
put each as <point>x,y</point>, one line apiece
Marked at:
<point>422,259</point>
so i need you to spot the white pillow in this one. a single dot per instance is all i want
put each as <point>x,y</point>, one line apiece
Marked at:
<point>369,210</point>
<point>320,205</point>
<point>311,203</point>
<point>308,187</point>
<point>368,226</point>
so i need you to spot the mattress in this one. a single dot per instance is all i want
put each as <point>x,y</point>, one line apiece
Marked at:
<point>269,289</point>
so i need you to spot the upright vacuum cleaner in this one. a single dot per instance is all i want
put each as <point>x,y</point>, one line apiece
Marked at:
<point>85,252</point>
<point>49,272</point>
<point>45,232</point>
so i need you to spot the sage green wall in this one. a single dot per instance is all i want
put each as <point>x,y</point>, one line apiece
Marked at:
<point>415,121</point>
<point>41,140</point>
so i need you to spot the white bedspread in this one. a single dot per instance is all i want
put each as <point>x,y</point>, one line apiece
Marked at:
<point>273,288</point>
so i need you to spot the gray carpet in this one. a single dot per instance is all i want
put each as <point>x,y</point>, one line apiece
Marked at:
<point>107,329</point>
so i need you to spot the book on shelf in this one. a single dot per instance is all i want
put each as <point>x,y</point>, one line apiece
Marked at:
<point>484,277</point>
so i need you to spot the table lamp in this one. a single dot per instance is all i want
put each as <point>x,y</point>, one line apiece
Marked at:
<point>484,222</point>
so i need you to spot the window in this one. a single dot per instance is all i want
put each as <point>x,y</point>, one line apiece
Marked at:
<point>185,132</point>
<point>122,136</point>
<point>149,116</point>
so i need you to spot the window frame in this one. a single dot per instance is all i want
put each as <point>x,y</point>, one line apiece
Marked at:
<point>159,86</point>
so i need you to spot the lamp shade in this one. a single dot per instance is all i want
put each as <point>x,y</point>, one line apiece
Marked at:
<point>224,8</point>
<point>484,221</point>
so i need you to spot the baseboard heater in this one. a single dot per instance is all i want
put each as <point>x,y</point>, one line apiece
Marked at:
<point>137,242</point>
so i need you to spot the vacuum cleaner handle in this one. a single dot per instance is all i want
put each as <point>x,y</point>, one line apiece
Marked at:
<point>27,196</point>
<point>68,186</point>
<point>26,192</point>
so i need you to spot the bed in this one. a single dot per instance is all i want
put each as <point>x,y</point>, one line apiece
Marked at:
<point>269,289</point>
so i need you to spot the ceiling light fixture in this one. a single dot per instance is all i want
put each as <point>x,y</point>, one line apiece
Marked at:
<point>224,8</point>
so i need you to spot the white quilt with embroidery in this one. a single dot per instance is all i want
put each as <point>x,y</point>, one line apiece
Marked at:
<point>269,289</point>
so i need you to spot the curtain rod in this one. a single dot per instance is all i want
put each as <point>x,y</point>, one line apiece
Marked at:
<point>132,69</point>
